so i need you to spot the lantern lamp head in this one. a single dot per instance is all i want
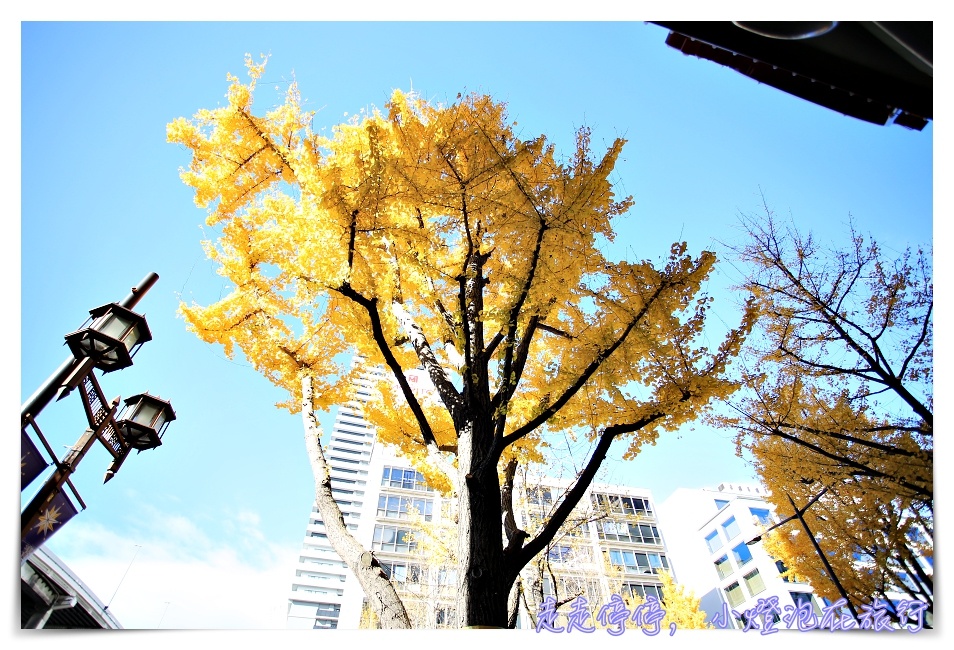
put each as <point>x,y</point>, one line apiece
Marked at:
<point>144,420</point>
<point>111,336</point>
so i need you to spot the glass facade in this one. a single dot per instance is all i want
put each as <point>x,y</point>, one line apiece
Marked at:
<point>762,515</point>
<point>642,590</point>
<point>634,562</point>
<point>398,507</point>
<point>622,531</point>
<point>734,593</point>
<point>393,539</point>
<point>621,505</point>
<point>404,479</point>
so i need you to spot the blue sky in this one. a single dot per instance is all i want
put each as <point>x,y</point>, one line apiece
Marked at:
<point>221,507</point>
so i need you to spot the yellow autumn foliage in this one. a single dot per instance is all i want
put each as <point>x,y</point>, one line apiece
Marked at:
<point>432,236</point>
<point>837,410</point>
<point>390,206</point>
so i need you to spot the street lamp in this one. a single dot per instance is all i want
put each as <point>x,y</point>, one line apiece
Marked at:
<point>140,426</point>
<point>144,420</point>
<point>111,337</point>
<point>108,340</point>
<point>78,366</point>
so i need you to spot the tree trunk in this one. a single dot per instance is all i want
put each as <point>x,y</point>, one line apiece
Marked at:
<point>382,597</point>
<point>484,585</point>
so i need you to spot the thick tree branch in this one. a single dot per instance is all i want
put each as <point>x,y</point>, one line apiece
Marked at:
<point>382,596</point>
<point>519,558</point>
<point>509,376</point>
<point>377,332</point>
<point>512,377</point>
<point>445,389</point>
<point>515,535</point>
<point>849,462</point>
<point>584,376</point>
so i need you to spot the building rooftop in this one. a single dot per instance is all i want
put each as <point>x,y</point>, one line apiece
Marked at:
<point>47,583</point>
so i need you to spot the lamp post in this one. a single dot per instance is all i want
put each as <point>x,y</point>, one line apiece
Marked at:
<point>92,345</point>
<point>108,340</point>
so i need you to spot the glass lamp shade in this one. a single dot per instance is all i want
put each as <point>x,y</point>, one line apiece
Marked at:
<point>144,420</point>
<point>111,337</point>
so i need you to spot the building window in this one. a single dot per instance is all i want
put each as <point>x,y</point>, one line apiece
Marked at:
<point>559,553</point>
<point>721,503</point>
<point>731,527</point>
<point>405,479</point>
<point>576,529</point>
<point>621,531</point>
<point>642,591</point>
<point>633,562</point>
<point>754,582</point>
<point>742,554</point>
<point>540,496</point>
<point>401,507</point>
<point>401,572</point>
<point>782,569</point>
<point>762,515</point>
<point>446,577</point>
<point>395,540</point>
<point>446,617</point>
<point>713,541</point>
<point>328,610</point>
<point>621,505</point>
<point>745,617</point>
<point>800,597</point>
<point>734,593</point>
<point>345,450</point>
<point>723,567</point>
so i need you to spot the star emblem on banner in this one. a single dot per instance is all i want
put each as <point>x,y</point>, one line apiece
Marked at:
<point>48,520</point>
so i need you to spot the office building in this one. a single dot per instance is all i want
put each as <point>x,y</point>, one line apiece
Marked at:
<point>611,544</point>
<point>710,535</point>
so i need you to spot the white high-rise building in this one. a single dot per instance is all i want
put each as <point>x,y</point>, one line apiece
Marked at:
<point>318,593</point>
<point>379,494</point>
<point>710,535</point>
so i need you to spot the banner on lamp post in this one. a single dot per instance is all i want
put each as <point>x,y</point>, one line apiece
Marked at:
<point>32,462</point>
<point>53,515</point>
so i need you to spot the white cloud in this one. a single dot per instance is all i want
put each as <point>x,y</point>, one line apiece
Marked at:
<point>181,578</point>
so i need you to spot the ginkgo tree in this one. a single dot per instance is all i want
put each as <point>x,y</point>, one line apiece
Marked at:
<point>837,411</point>
<point>430,235</point>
